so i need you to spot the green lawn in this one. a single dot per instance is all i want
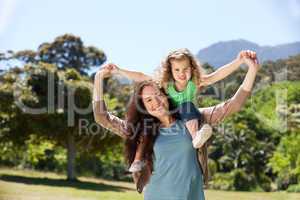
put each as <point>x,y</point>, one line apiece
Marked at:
<point>33,185</point>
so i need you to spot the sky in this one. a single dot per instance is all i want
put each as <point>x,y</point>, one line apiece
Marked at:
<point>137,34</point>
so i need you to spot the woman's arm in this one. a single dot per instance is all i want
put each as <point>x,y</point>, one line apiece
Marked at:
<point>131,75</point>
<point>101,114</point>
<point>219,112</point>
<point>227,69</point>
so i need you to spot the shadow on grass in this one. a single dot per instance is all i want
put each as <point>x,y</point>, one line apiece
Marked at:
<point>82,185</point>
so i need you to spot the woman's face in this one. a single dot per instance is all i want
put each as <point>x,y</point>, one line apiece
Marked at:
<point>155,102</point>
<point>181,70</point>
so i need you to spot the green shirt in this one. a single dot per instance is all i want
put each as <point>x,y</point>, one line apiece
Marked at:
<point>188,94</point>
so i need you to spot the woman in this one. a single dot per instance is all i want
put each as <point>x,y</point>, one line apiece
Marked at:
<point>173,169</point>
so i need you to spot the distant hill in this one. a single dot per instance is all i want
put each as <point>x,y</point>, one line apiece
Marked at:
<point>223,52</point>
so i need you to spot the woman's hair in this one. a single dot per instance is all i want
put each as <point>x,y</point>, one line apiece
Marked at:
<point>142,126</point>
<point>165,71</point>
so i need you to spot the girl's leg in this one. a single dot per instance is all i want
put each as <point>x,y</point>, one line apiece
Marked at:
<point>202,136</point>
<point>199,136</point>
<point>190,114</point>
<point>192,126</point>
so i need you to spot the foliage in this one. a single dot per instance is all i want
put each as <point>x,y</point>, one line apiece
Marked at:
<point>66,52</point>
<point>293,188</point>
<point>286,160</point>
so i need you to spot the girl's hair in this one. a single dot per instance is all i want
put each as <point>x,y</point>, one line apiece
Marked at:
<point>142,126</point>
<point>165,71</point>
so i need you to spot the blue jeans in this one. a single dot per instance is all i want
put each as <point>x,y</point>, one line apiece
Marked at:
<point>188,111</point>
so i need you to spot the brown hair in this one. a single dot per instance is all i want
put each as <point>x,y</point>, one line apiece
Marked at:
<point>165,71</point>
<point>144,127</point>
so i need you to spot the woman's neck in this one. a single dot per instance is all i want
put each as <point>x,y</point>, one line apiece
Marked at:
<point>166,121</point>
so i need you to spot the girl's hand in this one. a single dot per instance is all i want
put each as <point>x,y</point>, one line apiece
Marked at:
<point>246,54</point>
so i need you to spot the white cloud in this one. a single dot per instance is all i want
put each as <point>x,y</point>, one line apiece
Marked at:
<point>7,8</point>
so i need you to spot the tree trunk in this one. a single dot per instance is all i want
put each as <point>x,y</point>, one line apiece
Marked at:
<point>71,155</point>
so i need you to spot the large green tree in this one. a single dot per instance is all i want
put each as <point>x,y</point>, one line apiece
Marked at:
<point>51,97</point>
<point>55,105</point>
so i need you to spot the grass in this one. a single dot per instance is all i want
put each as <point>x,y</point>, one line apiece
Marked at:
<point>33,185</point>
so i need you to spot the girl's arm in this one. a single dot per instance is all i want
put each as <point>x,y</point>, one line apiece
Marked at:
<point>219,112</point>
<point>101,114</point>
<point>131,75</point>
<point>227,69</point>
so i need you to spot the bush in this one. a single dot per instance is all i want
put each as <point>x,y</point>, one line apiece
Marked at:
<point>112,164</point>
<point>44,155</point>
<point>282,182</point>
<point>112,170</point>
<point>293,188</point>
<point>265,183</point>
<point>222,181</point>
<point>10,154</point>
<point>237,180</point>
<point>212,166</point>
<point>286,161</point>
<point>39,155</point>
<point>243,181</point>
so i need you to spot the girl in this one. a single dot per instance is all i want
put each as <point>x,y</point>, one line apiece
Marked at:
<point>182,77</point>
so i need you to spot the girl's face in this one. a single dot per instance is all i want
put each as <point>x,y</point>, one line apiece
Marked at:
<point>155,102</point>
<point>181,70</point>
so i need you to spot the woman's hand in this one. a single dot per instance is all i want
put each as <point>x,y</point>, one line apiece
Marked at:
<point>114,68</point>
<point>252,63</point>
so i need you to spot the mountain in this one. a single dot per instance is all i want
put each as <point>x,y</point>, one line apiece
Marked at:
<point>223,52</point>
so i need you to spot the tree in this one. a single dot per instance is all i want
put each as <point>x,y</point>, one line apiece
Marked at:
<point>66,52</point>
<point>62,62</point>
<point>62,93</point>
<point>286,160</point>
<point>244,147</point>
<point>11,117</point>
